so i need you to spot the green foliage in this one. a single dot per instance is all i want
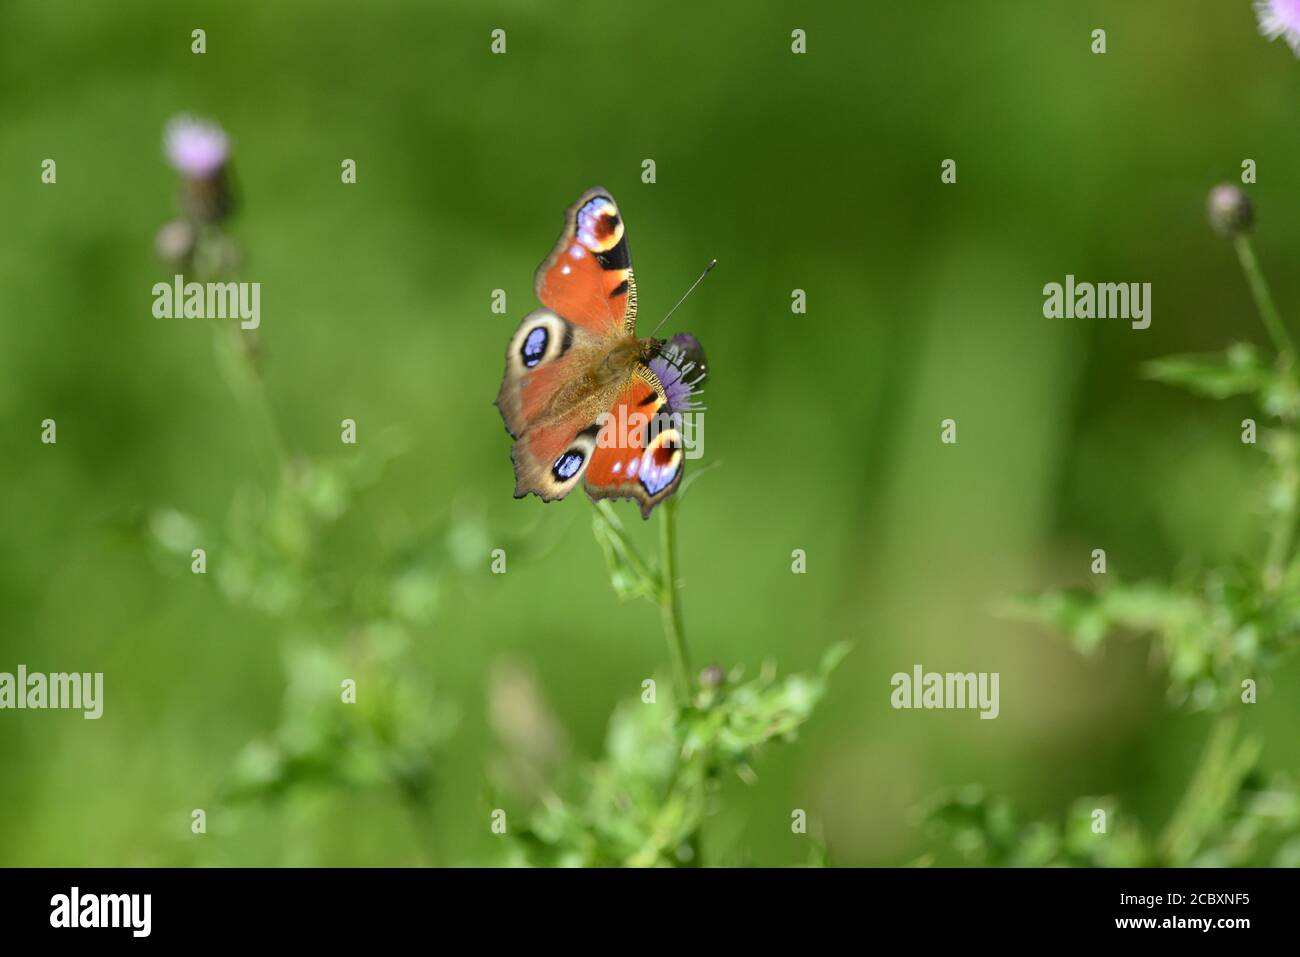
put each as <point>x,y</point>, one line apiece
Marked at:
<point>389,736</point>
<point>1218,632</point>
<point>1222,625</point>
<point>356,714</point>
<point>273,552</point>
<point>1239,371</point>
<point>274,559</point>
<point>1232,815</point>
<point>985,830</point>
<point>629,574</point>
<point>1212,632</point>
<point>644,802</point>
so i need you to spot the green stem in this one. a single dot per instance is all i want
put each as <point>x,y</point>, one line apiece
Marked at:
<point>1224,763</point>
<point>670,604</point>
<point>686,799</point>
<point>246,385</point>
<point>236,362</point>
<point>1264,299</point>
<point>1279,545</point>
<point>621,543</point>
<point>1280,541</point>
<point>416,803</point>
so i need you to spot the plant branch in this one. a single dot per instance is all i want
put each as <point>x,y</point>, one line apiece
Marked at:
<point>623,547</point>
<point>670,604</point>
<point>1264,299</point>
<point>1280,541</point>
<point>415,801</point>
<point>246,385</point>
<point>1216,781</point>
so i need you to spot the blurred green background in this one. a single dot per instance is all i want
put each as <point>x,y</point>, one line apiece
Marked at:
<point>818,172</point>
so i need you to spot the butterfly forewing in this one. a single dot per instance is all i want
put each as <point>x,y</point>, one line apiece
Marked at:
<point>587,278</point>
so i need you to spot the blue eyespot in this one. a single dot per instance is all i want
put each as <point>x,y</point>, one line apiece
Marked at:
<point>655,478</point>
<point>567,465</point>
<point>534,346</point>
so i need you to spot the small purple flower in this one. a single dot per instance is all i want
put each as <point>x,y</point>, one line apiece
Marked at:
<point>200,152</point>
<point>197,148</point>
<point>1280,18</point>
<point>681,368</point>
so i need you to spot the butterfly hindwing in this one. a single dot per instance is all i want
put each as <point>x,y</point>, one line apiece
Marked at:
<point>539,356</point>
<point>549,398</point>
<point>588,278</point>
<point>638,452</point>
<point>551,459</point>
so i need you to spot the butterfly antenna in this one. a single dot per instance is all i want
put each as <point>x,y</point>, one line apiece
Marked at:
<point>712,263</point>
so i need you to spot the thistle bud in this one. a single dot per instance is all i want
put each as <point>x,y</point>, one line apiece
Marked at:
<point>1229,210</point>
<point>712,677</point>
<point>175,242</point>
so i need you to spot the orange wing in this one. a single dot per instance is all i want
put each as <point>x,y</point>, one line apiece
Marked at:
<point>638,450</point>
<point>550,447</point>
<point>587,278</point>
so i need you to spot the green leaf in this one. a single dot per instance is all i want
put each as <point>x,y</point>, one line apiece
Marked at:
<point>643,803</point>
<point>1238,371</point>
<point>1088,618</point>
<point>629,573</point>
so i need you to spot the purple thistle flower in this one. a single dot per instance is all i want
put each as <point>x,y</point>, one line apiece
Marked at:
<point>197,148</point>
<point>1280,18</point>
<point>200,152</point>
<point>681,368</point>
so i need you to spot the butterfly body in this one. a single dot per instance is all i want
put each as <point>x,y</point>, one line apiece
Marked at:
<point>600,378</point>
<point>581,396</point>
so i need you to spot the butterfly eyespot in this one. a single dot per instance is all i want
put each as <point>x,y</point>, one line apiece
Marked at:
<point>600,228</point>
<point>606,225</point>
<point>655,478</point>
<point>660,462</point>
<point>663,453</point>
<point>534,346</point>
<point>567,465</point>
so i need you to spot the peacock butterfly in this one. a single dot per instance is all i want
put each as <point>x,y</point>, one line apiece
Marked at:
<point>582,396</point>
